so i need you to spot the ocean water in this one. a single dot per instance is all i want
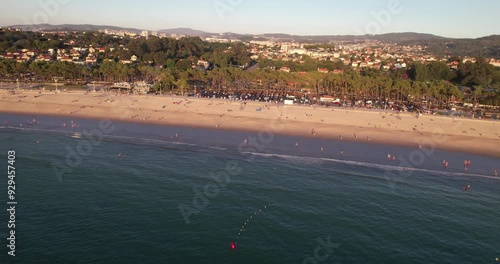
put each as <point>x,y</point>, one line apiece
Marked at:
<point>280,199</point>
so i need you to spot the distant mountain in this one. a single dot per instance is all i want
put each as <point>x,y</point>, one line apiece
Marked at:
<point>390,37</point>
<point>185,31</point>
<point>71,27</point>
<point>484,47</point>
<point>406,36</point>
<point>403,37</point>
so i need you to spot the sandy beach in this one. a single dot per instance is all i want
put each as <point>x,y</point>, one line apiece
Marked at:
<point>426,131</point>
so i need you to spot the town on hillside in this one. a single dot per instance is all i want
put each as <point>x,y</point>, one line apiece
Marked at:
<point>357,73</point>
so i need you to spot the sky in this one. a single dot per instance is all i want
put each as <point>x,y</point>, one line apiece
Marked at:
<point>448,18</point>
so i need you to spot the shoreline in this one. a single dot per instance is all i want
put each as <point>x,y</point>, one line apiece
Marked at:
<point>447,133</point>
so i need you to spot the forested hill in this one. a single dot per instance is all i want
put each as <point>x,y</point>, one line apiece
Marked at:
<point>72,27</point>
<point>488,47</point>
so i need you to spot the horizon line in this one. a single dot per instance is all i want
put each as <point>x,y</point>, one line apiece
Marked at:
<point>250,34</point>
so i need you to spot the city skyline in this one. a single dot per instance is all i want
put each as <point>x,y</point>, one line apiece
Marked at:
<point>456,19</point>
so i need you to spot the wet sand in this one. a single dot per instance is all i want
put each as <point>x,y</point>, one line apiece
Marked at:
<point>427,131</point>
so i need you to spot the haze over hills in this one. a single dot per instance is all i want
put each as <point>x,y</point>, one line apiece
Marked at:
<point>71,27</point>
<point>193,32</point>
<point>402,38</point>
<point>185,31</point>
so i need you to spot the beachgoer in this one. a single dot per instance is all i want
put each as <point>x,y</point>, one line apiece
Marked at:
<point>495,173</point>
<point>341,152</point>
<point>388,156</point>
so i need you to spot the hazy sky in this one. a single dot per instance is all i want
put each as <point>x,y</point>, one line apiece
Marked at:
<point>449,18</point>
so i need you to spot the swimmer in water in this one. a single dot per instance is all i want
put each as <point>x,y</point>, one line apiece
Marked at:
<point>341,152</point>
<point>495,173</point>
<point>388,156</point>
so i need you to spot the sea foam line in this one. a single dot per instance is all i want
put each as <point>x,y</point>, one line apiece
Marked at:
<point>371,165</point>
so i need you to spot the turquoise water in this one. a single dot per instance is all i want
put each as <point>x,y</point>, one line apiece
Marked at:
<point>111,209</point>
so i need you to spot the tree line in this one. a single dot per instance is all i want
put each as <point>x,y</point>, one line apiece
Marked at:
<point>168,63</point>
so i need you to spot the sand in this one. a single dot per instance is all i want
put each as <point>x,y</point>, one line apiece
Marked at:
<point>427,131</point>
